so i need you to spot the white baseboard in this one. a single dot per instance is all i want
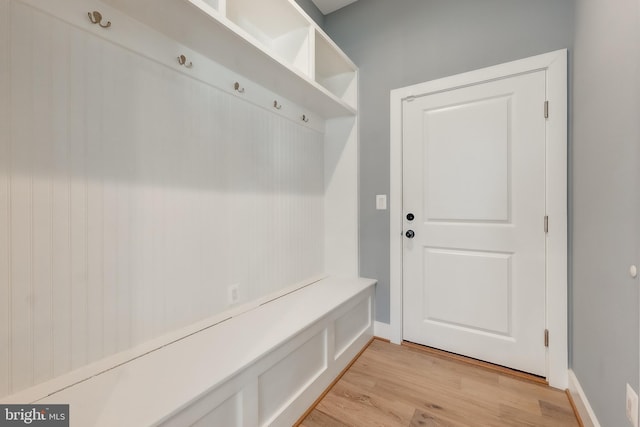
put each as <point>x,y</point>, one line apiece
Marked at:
<point>382,330</point>
<point>582,403</point>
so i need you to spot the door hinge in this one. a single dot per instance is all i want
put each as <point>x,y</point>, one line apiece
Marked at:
<point>546,223</point>
<point>546,109</point>
<point>546,338</point>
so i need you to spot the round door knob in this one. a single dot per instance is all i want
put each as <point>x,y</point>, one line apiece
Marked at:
<point>410,234</point>
<point>410,217</point>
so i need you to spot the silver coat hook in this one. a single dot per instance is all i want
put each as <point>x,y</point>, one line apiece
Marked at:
<point>96,18</point>
<point>237,87</point>
<point>182,60</point>
<point>276,105</point>
<point>305,118</point>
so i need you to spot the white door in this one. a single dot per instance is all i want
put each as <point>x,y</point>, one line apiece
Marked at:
<point>474,198</point>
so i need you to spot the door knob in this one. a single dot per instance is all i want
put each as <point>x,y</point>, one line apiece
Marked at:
<point>410,217</point>
<point>410,234</point>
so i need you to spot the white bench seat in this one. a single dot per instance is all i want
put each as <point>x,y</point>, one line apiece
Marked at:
<point>262,367</point>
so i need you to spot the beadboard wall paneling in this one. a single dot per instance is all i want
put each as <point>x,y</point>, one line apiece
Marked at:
<point>60,166</point>
<point>5,296</point>
<point>21,207</point>
<point>132,196</point>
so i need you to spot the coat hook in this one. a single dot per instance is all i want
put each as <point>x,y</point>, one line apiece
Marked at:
<point>237,87</point>
<point>96,18</point>
<point>276,105</point>
<point>305,118</point>
<point>182,60</point>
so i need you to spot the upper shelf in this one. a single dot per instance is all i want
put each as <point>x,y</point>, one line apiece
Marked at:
<point>334,71</point>
<point>272,42</point>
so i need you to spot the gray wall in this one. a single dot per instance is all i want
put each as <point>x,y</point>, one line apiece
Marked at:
<point>606,208</point>
<point>401,42</point>
<point>409,41</point>
<point>312,11</point>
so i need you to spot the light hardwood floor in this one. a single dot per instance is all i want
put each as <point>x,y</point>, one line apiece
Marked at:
<point>392,385</point>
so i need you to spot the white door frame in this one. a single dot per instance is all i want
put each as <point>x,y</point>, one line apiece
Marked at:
<point>555,65</point>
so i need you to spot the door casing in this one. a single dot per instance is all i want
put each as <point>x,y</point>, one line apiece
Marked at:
<point>555,66</point>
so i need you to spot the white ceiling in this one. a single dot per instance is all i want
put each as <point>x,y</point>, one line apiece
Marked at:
<point>328,6</point>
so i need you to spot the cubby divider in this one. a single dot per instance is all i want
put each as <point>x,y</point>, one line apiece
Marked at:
<point>278,27</point>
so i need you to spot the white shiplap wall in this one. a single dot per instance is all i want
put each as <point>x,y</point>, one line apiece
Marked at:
<point>132,196</point>
<point>5,86</point>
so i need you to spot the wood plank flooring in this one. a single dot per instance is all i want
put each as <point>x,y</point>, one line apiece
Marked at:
<point>391,385</point>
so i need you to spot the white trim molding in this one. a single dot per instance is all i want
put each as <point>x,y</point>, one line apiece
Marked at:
<point>585,411</point>
<point>555,65</point>
<point>382,330</point>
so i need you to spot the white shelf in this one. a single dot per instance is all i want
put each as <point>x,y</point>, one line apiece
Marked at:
<point>270,42</point>
<point>334,71</point>
<point>212,6</point>
<point>282,31</point>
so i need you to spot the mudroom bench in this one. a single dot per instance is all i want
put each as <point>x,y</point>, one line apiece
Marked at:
<point>263,367</point>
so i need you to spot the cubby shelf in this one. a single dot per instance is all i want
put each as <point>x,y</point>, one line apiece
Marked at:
<point>271,42</point>
<point>333,70</point>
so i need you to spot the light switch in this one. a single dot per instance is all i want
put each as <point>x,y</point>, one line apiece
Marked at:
<point>381,202</point>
